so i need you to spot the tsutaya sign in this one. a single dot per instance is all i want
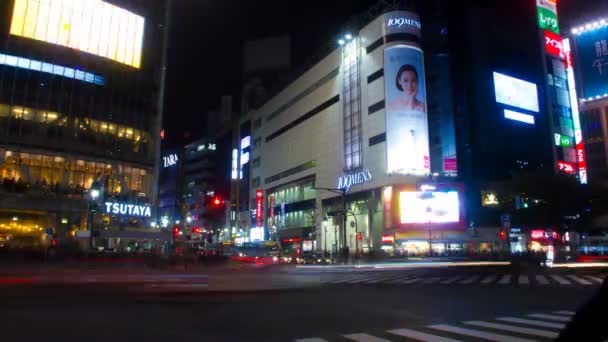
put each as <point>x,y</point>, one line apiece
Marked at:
<point>346,181</point>
<point>128,209</point>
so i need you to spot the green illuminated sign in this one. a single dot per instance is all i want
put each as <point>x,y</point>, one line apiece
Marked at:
<point>558,139</point>
<point>547,20</point>
<point>565,141</point>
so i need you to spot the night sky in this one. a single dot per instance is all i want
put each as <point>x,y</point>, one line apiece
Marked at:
<point>207,38</point>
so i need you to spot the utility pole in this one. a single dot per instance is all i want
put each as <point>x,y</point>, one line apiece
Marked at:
<point>341,192</point>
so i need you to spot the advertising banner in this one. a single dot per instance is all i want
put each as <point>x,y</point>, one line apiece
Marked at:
<point>407,136</point>
<point>593,61</point>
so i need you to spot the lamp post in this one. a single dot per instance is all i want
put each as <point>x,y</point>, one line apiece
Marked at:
<point>94,194</point>
<point>341,192</point>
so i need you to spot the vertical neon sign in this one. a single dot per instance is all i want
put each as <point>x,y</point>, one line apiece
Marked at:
<point>578,133</point>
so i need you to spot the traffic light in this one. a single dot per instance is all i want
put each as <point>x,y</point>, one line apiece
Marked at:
<point>175,232</point>
<point>196,230</point>
<point>359,236</point>
<point>502,235</point>
<point>217,201</point>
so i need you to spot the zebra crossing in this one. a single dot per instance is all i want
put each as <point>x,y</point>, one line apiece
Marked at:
<point>527,328</point>
<point>389,278</point>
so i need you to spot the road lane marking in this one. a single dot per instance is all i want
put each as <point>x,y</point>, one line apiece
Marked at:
<point>515,329</point>
<point>564,312</point>
<point>450,280</point>
<point>580,280</point>
<point>561,280</point>
<point>374,280</point>
<point>506,279</point>
<point>523,280</point>
<point>313,339</point>
<point>489,279</point>
<point>542,280</point>
<point>365,338</point>
<point>420,336</point>
<point>478,333</point>
<point>551,317</point>
<point>469,280</point>
<point>596,279</point>
<point>532,322</point>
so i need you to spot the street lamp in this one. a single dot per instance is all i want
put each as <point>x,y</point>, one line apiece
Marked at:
<point>94,194</point>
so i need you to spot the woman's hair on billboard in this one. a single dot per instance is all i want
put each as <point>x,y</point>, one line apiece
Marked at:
<point>403,69</point>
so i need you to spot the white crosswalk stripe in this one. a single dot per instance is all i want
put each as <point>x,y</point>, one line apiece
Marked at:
<point>500,329</point>
<point>431,280</point>
<point>580,280</point>
<point>515,329</point>
<point>542,280</point>
<point>561,280</point>
<point>506,279</point>
<point>469,280</point>
<point>551,317</point>
<point>450,280</point>
<point>532,322</point>
<point>365,338</point>
<point>596,279</point>
<point>420,336</point>
<point>523,280</point>
<point>399,279</point>
<point>410,281</point>
<point>477,333</point>
<point>489,279</point>
<point>563,312</point>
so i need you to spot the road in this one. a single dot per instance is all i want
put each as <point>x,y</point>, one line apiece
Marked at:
<point>328,312</point>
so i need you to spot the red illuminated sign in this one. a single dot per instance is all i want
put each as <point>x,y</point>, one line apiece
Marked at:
<point>388,239</point>
<point>272,204</point>
<point>359,236</point>
<point>259,197</point>
<point>537,234</point>
<point>554,44</point>
<point>567,167</point>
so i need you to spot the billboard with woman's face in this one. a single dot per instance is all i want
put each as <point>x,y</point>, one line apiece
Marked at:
<point>407,134</point>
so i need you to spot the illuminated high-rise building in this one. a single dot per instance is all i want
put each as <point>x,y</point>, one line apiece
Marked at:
<point>81,86</point>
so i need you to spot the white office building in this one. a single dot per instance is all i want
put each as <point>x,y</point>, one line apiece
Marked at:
<point>355,121</point>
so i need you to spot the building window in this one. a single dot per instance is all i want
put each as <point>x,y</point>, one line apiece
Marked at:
<point>351,99</point>
<point>256,182</point>
<point>256,163</point>
<point>257,123</point>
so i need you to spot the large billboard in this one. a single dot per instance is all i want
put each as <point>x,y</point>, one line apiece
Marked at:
<point>429,207</point>
<point>515,92</point>
<point>407,135</point>
<point>592,62</point>
<point>91,26</point>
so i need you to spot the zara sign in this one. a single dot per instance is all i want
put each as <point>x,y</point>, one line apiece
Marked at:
<point>170,160</point>
<point>124,209</point>
<point>346,181</point>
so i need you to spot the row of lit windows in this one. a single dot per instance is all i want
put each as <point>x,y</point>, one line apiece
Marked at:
<point>84,124</point>
<point>55,169</point>
<point>54,69</point>
<point>293,193</point>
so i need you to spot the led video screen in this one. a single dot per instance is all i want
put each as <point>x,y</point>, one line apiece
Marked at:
<point>429,207</point>
<point>91,26</point>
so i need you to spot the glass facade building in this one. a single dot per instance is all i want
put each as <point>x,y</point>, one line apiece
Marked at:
<point>72,115</point>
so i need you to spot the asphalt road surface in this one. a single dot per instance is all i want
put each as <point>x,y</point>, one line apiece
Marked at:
<point>428,312</point>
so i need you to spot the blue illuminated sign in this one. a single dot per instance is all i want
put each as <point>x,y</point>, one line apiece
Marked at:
<point>31,64</point>
<point>592,62</point>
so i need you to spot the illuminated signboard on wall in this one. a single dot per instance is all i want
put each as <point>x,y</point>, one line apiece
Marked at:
<point>91,26</point>
<point>346,181</point>
<point>553,44</point>
<point>547,15</point>
<point>170,160</point>
<point>429,207</point>
<point>259,198</point>
<point>567,167</point>
<point>515,92</point>
<point>576,120</point>
<point>124,209</point>
<point>525,118</point>
<point>592,59</point>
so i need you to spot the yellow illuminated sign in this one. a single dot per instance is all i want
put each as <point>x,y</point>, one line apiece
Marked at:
<point>92,26</point>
